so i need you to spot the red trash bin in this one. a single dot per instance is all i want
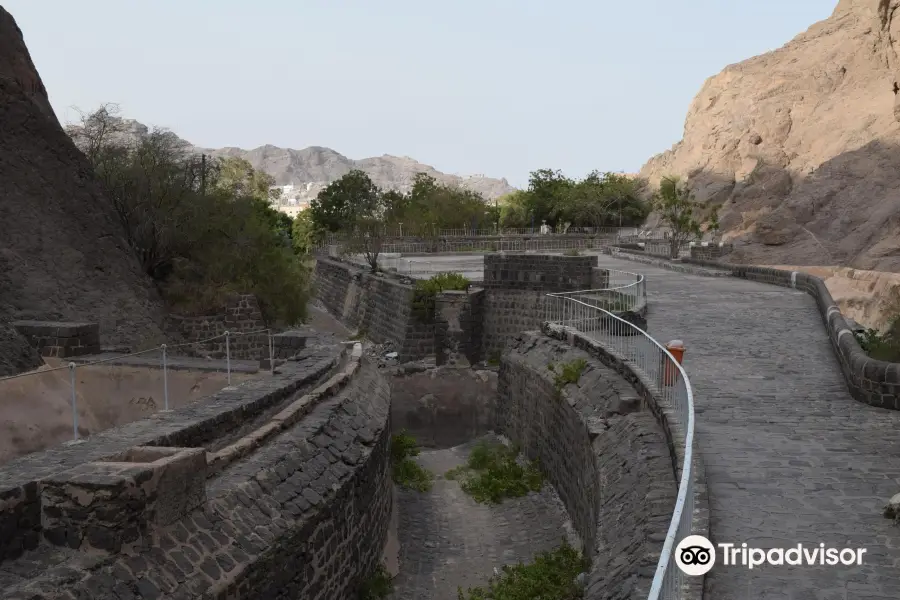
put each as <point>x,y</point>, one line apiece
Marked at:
<point>670,371</point>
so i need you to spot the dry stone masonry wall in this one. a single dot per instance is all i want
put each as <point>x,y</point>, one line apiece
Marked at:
<point>303,516</point>
<point>60,339</point>
<point>240,315</point>
<point>516,286</point>
<point>607,458</point>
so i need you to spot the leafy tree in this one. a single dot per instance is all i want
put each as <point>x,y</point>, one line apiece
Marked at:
<point>304,235</point>
<point>712,222</point>
<point>514,210</point>
<point>546,192</point>
<point>201,229</point>
<point>628,207</point>
<point>676,206</point>
<point>339,204</point>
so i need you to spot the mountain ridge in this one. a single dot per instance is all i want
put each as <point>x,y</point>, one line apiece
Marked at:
<point>800,146</point>
<point>318,166</point>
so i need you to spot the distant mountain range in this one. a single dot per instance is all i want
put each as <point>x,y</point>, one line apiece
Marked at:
<point>313,168</point>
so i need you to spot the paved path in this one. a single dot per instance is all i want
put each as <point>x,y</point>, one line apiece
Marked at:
<point>448,540</point>
<point>790,456</point>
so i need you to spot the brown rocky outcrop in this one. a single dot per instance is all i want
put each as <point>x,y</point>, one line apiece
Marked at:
<point>62,250</point>
<point>801,146</point>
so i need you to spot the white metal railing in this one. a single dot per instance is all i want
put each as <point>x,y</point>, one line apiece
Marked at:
<point>163,352</point>
<point>619,291</point>
<point>665,378</point>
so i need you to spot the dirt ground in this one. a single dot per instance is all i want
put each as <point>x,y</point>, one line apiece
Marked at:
<point>36,411</point>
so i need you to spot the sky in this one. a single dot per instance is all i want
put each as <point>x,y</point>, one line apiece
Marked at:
<point>494,87</point>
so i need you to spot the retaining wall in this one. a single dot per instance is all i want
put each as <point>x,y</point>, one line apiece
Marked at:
<point>516,286</point>
<point>870,381</point>
<point>305,515</point>
<point>380,306</point>
<point>241,314</point>
<point>60,339</point>
<point>607,458</point>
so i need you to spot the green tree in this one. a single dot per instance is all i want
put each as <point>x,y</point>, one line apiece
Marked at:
<point>514,210</point>
<point>432,206</point>
<point>304,235</point>
<point>675,205</point>
<point>712,222</point>
<point>343,201</point>
<point>547,190</point>
<point>201,229</point>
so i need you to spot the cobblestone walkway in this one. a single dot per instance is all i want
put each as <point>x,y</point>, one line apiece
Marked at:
<point>448,540</point>
<point>790,456</point>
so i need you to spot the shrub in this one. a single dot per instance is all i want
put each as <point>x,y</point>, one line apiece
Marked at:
<point>492,473</point>
<point>881,346</point>
<point>569,372</point>
<point>552,575</point>
<point>378,586</point>
<point>406,472</point>
<point>425,293</point>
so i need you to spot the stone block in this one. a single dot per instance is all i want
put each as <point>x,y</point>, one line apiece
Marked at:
<point>114,503</point>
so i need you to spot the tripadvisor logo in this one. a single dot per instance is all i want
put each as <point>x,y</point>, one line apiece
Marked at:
<point>695,555</point>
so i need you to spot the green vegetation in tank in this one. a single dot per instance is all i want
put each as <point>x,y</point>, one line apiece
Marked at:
<point>406,472</point>
<point>378,586</point>
<point>552,575</point>
<point>425,293</point>
<point>492,473</point>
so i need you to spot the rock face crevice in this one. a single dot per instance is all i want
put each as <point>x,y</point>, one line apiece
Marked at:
<point>799,146</point>
<point>63,256</point>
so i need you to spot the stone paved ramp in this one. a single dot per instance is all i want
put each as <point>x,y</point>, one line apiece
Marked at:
<point>448,540</point>
<point>790,456</point>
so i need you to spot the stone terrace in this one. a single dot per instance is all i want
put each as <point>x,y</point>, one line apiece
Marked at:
<point>790,456</point>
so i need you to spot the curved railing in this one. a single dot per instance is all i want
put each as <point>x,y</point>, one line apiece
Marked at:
<point>621,291</point>
<point>665,379</point>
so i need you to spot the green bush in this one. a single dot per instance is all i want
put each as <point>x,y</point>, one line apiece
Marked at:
<point>881,346</point>
<point>492,474</point>
<point>378,586</point>
<point>425,293</point>
<point>567,373</point>
<point>551,576</point>
<point>406,472</point>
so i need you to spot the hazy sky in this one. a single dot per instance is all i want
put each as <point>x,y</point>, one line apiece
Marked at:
<point>499,87</point>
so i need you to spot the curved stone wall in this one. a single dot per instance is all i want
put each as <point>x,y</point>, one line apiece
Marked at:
<point>607,458</point>
<point>871,381</point>
<point>297,508</point>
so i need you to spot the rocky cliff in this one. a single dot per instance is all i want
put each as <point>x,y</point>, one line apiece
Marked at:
<point>62,251</point>
<point>311,169</point>
<point>801,146</point>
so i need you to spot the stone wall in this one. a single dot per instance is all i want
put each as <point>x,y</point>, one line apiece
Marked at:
<point>662,410</point>
<point>458,327</point>
<point>240,315</point>
<point>870,381</point>
<point>303,516</point>
<point>60,339</point>
<point>379,305</point>
<point>516,287</point>
<point>445,406</point>
<point>607,458</point>
<point>711,251</point>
